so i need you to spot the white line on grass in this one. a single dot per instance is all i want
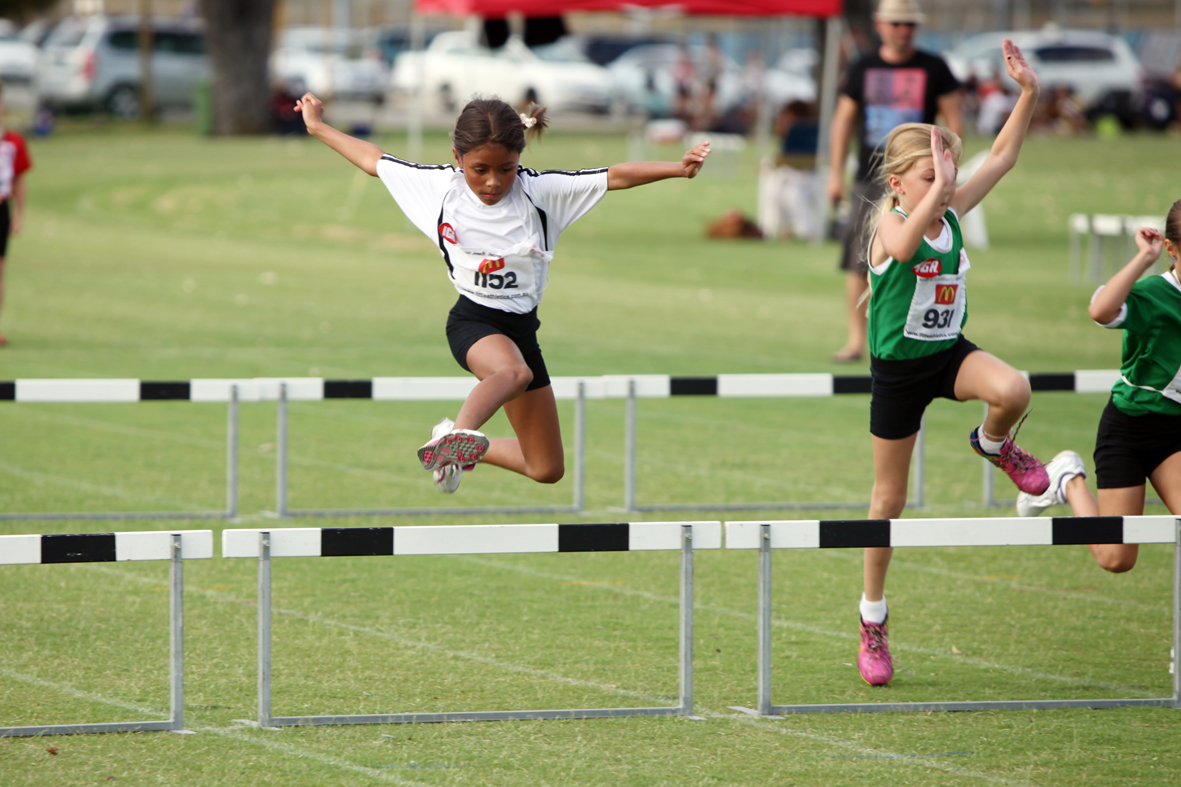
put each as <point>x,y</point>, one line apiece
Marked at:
<point>234,733</point>
<point>817,630</point>
<point>96,489</point>
<point>926,762</point>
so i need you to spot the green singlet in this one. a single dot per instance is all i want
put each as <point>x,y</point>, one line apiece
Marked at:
<point>919,306</point>
<point>1151,368</point>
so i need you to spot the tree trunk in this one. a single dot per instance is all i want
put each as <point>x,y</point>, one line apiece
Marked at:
<point>239,35</point>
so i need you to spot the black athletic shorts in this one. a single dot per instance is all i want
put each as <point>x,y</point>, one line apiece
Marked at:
<point>903,389</point>
<point>469,322</point>
<point>1129,447</point>
<point>5,226</point>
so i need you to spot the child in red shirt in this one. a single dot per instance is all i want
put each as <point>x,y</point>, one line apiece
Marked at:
<point>14,163</point>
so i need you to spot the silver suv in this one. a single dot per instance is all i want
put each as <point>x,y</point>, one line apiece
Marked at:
<point>93,63</point>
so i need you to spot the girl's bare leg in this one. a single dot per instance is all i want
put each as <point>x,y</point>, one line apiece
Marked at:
<point>1125,501</point>
<point>855,286</point>
<point>984,376</point>
<point>503,374</point>
<point>891,466</point>
<point>1129,501</point>
<point>536,451</point>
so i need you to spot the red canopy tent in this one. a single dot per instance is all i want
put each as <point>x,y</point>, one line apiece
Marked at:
<point>497,9</point>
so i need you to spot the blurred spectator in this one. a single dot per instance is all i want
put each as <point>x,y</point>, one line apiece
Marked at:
<point>283,114</point>
<point>994,103</point>
<point>894,84</point>
<point>1060,112</point>
<point>788,185</point>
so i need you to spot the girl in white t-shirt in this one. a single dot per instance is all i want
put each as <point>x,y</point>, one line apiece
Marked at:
<point>496,224</point>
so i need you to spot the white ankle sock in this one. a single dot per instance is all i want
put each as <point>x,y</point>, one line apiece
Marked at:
<point>873,611</point>
<point>989,445</point>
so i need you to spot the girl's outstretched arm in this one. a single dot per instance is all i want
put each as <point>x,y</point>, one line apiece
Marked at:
<point>1007,146</point>
<point>637,173</point>
<point>364,155</point>
<point>1109,299</point>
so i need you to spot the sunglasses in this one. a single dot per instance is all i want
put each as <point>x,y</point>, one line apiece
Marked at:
<point>905,24</point>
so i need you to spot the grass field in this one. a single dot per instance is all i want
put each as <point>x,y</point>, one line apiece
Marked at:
<point>161,256</point>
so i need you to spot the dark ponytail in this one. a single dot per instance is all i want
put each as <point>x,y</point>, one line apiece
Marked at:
<point>488,120</point>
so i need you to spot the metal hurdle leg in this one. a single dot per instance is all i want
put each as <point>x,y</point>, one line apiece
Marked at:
<point>176,670</point>
<point>281,454</point>
<point>765,708</point>
<point>264,629</point>
<point>232,455</point>
<point>578,505</point>
<point>684,707</point>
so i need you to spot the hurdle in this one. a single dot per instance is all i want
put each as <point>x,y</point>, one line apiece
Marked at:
<point>1106,234</point>
<point>658,386</point>
<point>59,391</point>
<point>420,389</point>
<point>1015,531</point>
<point>113,547</point>
<point>471,540</point>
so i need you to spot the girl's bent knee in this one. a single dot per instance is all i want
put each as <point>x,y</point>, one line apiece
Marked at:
<point>548,474</point>
<point>1117,564</point>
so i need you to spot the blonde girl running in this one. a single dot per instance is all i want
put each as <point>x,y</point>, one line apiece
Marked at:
<point>917,311</point>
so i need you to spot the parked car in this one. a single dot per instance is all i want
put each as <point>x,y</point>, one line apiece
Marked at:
<point>645,77</point>
<point>332,63</point>
<point>455,67</point>
<point>1100,69</point>
<point>93,63</point>
<point>18,58</point>
<point>393,41</point>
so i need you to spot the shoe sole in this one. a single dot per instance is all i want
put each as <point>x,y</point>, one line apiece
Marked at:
<point>462,447</point>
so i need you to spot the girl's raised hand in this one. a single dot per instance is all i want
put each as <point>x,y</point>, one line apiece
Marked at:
<point>1018,69</point>
<point>1150,242</point>
<point>693,159</point>
<point>942,160</point>
<point>311,108</point>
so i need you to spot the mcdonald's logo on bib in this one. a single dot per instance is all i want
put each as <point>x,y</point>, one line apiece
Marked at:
<point>945,293</point>
<point>491,266</point>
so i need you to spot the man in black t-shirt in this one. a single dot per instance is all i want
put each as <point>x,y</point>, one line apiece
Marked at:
<point>895,84</point>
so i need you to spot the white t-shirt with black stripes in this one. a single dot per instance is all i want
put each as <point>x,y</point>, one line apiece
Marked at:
<point>521,229</point>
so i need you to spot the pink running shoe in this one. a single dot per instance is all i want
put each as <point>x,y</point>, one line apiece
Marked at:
<point>873,659</point>
<point>1026,470</point>
<point>459,446</point>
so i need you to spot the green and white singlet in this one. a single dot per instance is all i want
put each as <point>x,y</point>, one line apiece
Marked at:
<point>1150,372</point>
<point>919,306</point>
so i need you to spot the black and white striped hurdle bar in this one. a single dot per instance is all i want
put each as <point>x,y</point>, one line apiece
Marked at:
<point>1002,531</point>
<point>472,540</point>
<point>175,547</point>
<point>646,386</point>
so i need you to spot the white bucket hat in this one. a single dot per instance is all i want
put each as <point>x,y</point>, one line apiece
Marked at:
<point>900,11</point>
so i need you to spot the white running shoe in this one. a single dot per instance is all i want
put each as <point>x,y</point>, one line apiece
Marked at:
<point>447,478</point>
<point>1061,469</point>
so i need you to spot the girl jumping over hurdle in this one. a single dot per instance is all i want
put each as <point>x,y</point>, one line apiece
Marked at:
<point>1139,435</point>
<point>917,310</point>
<point>496,224</point>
